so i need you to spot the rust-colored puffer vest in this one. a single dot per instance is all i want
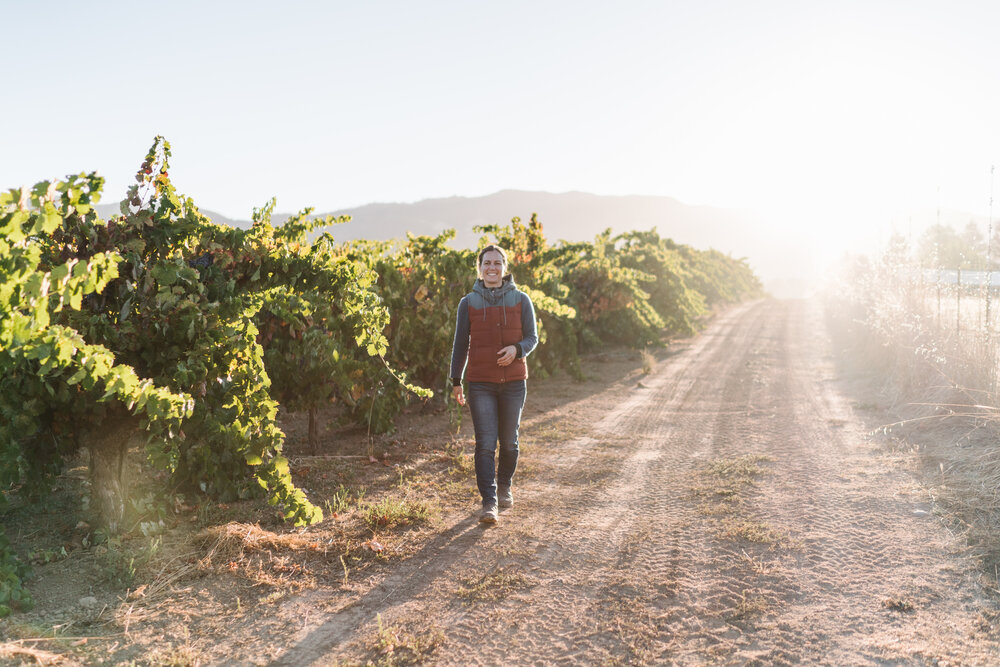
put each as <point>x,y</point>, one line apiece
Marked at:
<point>494,323</point>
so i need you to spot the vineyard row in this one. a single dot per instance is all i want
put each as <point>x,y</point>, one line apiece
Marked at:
<point>159,327</point>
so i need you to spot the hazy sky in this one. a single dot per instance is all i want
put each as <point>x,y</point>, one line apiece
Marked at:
<point>829,117</point>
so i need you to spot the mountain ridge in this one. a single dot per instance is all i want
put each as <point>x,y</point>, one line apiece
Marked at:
<point>590,213</point>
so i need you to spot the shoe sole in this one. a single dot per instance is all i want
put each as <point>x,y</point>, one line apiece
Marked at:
<point>505,506</point>
<point>487,519</point>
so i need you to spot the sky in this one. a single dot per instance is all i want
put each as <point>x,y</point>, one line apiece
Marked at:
<point>832,122</point>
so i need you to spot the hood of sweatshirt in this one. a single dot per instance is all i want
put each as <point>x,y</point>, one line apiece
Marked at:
<point>494,295</point>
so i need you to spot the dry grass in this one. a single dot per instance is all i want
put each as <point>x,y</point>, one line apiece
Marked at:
<point>179,656</point>
<point>751,604</point>
<point>401,644</point>
<point>729,506</point>
<point>391,512</point>
<point>648,362</point>
<point>556,430</point>
<point>756,565</point>
<point>20,650</point>
<point>940,390</point>
<point>752,531</point>
<point>626,613</point>
<point>901,604</point>
<point>278,560</point>
<point>742,469</point>
<point>493,586</point>
<point>724,499</point>
<point>727,480</point>
<point>963,480</point>
<point>457,454</point>
<point>235,540</point>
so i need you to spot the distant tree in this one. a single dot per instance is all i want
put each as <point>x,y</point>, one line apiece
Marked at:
<point>975,246</point>
<point>942,247</point>
<point>993,251</point>
<point>897,252</point>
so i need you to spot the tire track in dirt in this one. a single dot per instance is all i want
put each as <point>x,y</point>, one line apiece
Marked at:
<point>591,603</point>
<point>868,575</point>
<point>614,556</point>
<point>550,530</point>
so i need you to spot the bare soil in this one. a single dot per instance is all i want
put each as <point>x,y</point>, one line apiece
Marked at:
<point>732,506</point>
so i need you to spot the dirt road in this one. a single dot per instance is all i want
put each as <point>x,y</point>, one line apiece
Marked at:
<point>728,509</point>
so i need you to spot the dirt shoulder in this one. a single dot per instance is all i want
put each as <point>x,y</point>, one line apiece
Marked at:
<point>728,507</point>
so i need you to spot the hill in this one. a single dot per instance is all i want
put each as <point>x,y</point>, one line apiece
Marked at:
<point>570,216</point>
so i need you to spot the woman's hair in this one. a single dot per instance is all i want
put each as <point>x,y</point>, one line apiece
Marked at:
<point>479,260</point>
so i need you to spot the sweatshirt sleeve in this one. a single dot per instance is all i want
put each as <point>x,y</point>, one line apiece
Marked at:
<point>529,330</point>
<point>460,348</point>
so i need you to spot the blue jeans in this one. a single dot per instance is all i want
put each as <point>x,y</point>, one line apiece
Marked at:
<point>496,415</point>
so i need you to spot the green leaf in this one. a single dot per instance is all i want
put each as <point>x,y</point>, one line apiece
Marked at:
<point>59,273</point>
<point>280,465</point>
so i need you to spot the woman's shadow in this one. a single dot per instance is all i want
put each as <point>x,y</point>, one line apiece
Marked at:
<point>410,579</point>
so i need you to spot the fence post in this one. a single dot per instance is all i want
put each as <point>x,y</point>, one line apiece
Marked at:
<point>989,296</point>
<point>939,300</point>
<point>958,305</point>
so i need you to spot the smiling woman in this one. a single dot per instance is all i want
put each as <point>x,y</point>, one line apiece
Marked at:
<point>495,332</point>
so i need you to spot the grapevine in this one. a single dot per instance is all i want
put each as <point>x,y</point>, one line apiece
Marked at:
<point>158,327</point>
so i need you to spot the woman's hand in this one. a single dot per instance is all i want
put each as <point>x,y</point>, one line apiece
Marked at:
<point>458,394</point>
<point>506,355</point>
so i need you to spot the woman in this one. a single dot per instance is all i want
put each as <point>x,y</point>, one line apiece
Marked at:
<point>495,331</point>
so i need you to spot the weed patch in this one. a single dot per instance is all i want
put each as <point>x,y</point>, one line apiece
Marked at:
<point>179,656</point>
<point>752,531</point>
<point>120,562</point>
<point>493,586</point>
<point>459,460</point>
<point>723,498</point>
<point>392,512</point>
<point>756,565</point>
<point>561,430</point>
<point>901,604</point>
<point>728,478</point>
<point>648,362</point>
<point>340,500</point>
<point>740,469</point>
<point>748,606</point>
<point>723,508</point>
<point>397,645</point>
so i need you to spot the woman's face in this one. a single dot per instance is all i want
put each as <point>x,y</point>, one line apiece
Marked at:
<point>492,268</point>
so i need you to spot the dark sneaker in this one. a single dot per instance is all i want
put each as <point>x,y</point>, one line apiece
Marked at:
<point>504,497</point>
<point>489,514</point>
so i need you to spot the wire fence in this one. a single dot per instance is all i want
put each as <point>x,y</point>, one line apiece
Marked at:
<point>962,300</point>
<point>948,320</point>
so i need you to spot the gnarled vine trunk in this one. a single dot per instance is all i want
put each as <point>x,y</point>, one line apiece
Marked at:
<point>108,483</point>
<point>313,432</point>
